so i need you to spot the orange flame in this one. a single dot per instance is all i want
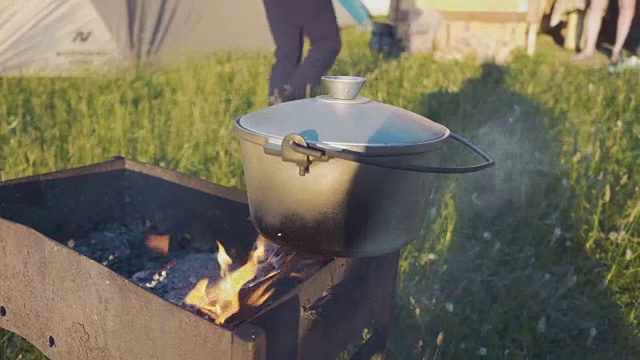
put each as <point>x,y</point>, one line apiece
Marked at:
<point>158,243</point>
<point>221,299</point>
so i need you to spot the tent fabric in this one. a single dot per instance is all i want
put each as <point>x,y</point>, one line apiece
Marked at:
<point>377,7</point>
<point>66,36</point>
<point>51,34</point>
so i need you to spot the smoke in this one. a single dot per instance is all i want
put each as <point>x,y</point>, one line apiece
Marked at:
<point>516,140</point>
<point>499,263</point>
<point>512,129</point>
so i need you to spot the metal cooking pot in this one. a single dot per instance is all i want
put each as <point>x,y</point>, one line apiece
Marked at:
<point>339,174</point>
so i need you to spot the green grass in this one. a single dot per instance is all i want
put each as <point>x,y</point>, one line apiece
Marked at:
<point>15,347</point>
<point>536,258</point>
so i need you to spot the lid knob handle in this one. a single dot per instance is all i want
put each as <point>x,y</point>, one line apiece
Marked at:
<point>344,87</point>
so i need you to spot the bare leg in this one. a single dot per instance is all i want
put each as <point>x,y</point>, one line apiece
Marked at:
<point>627,11</point>
<point>593,22</point>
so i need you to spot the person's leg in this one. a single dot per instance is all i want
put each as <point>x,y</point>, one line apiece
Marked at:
<point>625,17</point>
<point>321,27</point>
<point>287,35</point>
<point>593,21</point>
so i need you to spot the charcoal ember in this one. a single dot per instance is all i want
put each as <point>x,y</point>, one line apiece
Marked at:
<point>125,250</point>
<point>145,277</point>
<point>175,282</point>
<point>153,273</point>
<point>119,247</point>
<point>113,247</point>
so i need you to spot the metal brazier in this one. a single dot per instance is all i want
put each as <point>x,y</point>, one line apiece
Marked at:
<point>340,174</point>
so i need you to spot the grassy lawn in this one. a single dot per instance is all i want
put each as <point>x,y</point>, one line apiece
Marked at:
<point>536,258</point>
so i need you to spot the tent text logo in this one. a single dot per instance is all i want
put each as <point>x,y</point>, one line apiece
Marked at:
<point>81,36</point>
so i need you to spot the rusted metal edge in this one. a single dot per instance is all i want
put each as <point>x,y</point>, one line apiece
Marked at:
<point>332,274</point>
<point>332,319</point>
<point>110,165</point>
<point>312,289</point>
<point>120,163</point>
<point>71,307</point>
<point>189,181</point>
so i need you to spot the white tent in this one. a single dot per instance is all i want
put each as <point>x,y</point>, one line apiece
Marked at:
<point>58,37</point>
<point>377,7</point>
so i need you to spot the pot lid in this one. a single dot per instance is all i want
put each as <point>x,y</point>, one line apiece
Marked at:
<point>344,120</point>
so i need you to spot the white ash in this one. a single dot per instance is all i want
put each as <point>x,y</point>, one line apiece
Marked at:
<point>175,282</point>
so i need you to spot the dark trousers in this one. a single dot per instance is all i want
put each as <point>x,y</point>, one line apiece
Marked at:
<point>289,21</point>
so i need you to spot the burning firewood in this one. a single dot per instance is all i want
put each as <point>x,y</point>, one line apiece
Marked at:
<point>173,282</point>
<point>251,284</point>
<point>209,284</point>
